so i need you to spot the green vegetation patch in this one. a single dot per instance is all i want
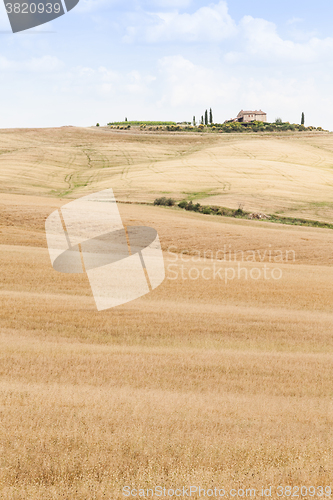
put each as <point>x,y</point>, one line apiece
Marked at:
<point>168,202</point>
<point>257,126</point>
<point>241,214</point>
<point>139,123</point>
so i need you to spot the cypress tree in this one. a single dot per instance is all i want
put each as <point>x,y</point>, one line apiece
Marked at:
<point>303,119</point>
<point>211,116</point>
<point>206,117</point>
<point>202,120</point>
<point>193,121</point>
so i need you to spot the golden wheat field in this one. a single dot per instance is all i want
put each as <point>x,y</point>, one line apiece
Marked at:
<point>287,173</point>
<point>222,377</point>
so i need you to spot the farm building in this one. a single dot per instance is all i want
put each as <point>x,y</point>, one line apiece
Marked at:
<point>250,116</point>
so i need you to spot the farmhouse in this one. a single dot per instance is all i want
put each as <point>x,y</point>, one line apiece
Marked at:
<point>250,116</point>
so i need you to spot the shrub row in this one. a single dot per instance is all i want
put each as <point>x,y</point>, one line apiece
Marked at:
<point>240,213</point>
<point>121,127</point>
<point>168,202</point>
<point>144,127</point>
<point>229,127</point>
<point>205,209</point>
<point>257,126</point>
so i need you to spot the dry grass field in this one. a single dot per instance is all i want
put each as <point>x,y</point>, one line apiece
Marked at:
<point>206,381</point>
<point>288,173</point>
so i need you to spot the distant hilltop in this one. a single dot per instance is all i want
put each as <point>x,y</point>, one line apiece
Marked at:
<point>243,123</point>
<point>251,121</point>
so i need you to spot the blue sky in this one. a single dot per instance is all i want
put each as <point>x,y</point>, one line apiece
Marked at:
<point>170,60</point>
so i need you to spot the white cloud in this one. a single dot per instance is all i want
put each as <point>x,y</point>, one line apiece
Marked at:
<point>188,84</point>
<point>138,83</point>
<point>256,38</point>
<point>44,64</point>
<point>261,41</point>
<point>103,82</point>
<point>208,24</point>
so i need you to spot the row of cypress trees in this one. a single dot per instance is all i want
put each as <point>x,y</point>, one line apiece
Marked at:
<point>205,120</point>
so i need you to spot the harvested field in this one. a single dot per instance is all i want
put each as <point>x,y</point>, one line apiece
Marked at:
<point>221,377</point>
<point>289,174</point>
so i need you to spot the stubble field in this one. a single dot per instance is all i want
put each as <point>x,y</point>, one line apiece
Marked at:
<point>222,376</point>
